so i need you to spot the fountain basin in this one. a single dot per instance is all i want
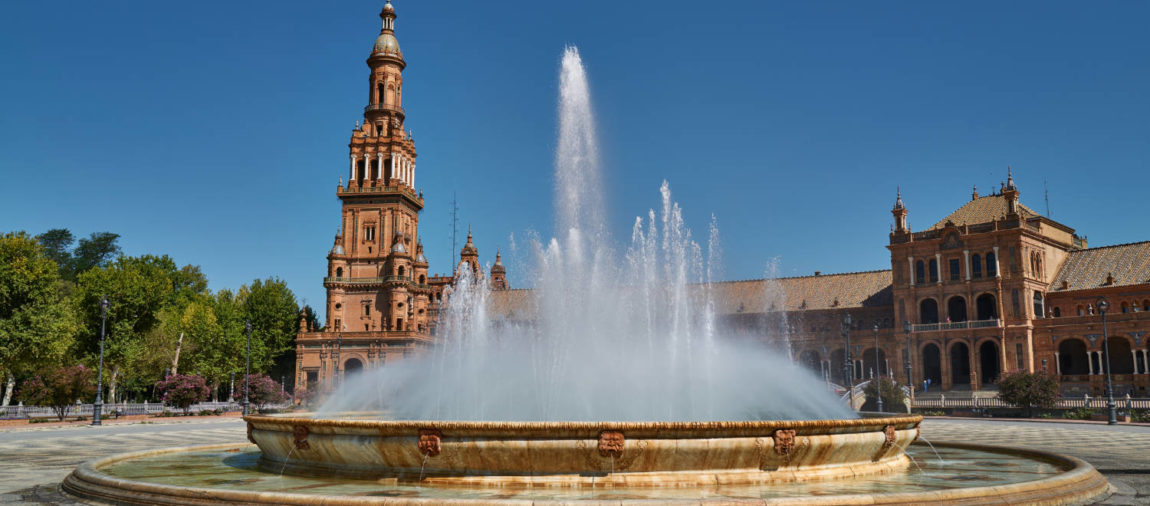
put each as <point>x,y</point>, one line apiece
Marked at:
<point>577,454</point>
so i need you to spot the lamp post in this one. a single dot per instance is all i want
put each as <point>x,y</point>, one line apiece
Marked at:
<point>338,357</point>
<point>247,365</point>
<point>1104,305</point>
<point>906,364</point>
<point>99,406</point>
<point>848,364</point>
<point>878,375</point>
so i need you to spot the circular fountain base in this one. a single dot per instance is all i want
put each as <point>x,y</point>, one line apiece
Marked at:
<point>956,474</point>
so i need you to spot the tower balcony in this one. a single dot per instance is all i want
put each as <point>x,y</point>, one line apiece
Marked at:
<point>384,108</point>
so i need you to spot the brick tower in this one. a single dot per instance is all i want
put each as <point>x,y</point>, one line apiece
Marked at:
<point>378,296</point>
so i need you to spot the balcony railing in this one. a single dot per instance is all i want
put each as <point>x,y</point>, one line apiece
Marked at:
<point>368,188</point>
<point>377,281</point>
<point>971,324</point>
<point>383,107</point>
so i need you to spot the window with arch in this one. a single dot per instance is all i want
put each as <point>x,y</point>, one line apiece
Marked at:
<point>379,93</point>
<point>991,265</point>
<point>1039,310</point>
<point>919,272</point>
<point>339,272</point>
<point>928,311</point>
<point>976,266</point>
<point>1081,311</point>
<point>422,279</point>
<point>934,271</point>
<point>1057,312</point>
<point>399,324</point>
<point>399,270</point>
<point>1125,307</point>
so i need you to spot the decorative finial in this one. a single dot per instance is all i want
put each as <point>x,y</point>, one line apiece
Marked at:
<point>898,199</point>
<point>974,193</point>
<point>1009,178</point>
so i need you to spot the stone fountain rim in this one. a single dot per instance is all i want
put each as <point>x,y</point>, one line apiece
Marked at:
<point>1079,482</point>
<point>866,423</point>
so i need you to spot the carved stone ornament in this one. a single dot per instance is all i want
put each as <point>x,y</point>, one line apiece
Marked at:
<point>785,443</point>
<point>429,442</point>
<point>891,436</point>
<point>299,436</point>
<point>611,443</point>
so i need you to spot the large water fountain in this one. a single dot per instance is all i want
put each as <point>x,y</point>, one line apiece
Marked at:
<point>619,386</point>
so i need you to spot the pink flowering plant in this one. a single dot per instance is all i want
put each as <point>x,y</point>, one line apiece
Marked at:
<point>60,388</point>
<point>262,390</point>
<point>183,390</point>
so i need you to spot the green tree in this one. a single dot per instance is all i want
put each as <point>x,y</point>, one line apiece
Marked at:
<point>97,250</point>
<point>138,288</point>
<point>36,325</point>
<point>312,319</point>
<point>60,388</point>
<point>271,307</point>
<point>1028,390</point>
<point>58,246</point>
<point>893,397</point>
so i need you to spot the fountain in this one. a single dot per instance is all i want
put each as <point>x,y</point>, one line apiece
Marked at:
<point>621,387</point>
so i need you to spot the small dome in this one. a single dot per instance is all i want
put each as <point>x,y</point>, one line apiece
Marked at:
<point>398,248</point>
<point>388,7</point>
<point>498,267</point>
<point>421,259</point>
<point>386,44</point>
<point>337,250</point>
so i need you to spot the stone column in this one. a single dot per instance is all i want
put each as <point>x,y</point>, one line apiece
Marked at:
<point>1134,355</point>
<point>352,176</point>
<point>379,159</point>
<point>975,367</point>
<point>1090,360</point>
<point>413,175</point>
<point>966,254</point>
<point>938,268</point>
<point>910,265</point>
<point>997,269</point>
<point>366,165</point>
<point>1057,365</point>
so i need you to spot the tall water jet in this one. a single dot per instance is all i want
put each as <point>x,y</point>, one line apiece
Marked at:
<point>579,201</point>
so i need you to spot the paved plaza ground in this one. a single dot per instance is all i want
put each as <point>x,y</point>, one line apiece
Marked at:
<point>34,461</point>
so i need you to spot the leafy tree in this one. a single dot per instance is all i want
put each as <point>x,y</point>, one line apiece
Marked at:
<point>36,325</point>
<point>262,390</point>
<point>138,288</point>
<point>271,307</point>
<point>97,250</point>
<point>893,396</point>
<point>58,246</point>
<point>1029,390</point>
<point>312,319</point>
<point>60,388</point>
<point>182,391</point>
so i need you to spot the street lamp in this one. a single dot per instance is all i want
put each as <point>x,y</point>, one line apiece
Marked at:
<point>99,406</point>
<point>906,365</point>
<point>848,364</point>
<point>878,375</point>
<point>1103,305</point>
<point>247,365</point>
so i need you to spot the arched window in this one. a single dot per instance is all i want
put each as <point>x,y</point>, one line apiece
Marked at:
<point>421,279</point>
<point>1125,307</point>
<point>919,272</point>
<point>379,98</point>
<point>390,94</point>
<point>934,271</point>
<point>976,266</point>
<point>399,324</point>
<point>375,169</point>
<point>928,311</point>
<point>339,272</point>
<point>986,307</point>
<point>360,170</point>
<point>1038,308</point>
<point>1057,312</point>
<point>991,267</point>
<point>1072,357</point>
<point>1080,311</point>
<point>399,270</point>
<point>956,309</point>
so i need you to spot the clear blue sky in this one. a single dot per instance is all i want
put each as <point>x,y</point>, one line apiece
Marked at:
<point>215,131</point>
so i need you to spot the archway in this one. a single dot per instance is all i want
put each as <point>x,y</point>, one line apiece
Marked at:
<point>932,365</point>
<point>811,360</point>
<point>928,311</point>
<point>1121,360</point>
<point>988,362</point>
<point>956,308</point>
<point>1072,357</point>
<point>870,364</point>
<point>986,307</point>
<point>352,366</point>
<point>959,365</point>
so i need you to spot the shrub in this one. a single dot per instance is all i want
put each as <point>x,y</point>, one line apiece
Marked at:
<point>893,398</point>
<point>1140,416</point>
<point>263,390</point>
<point>208,412</point>
<point>1078,414</point>
<point>1027,390</point>
<point>60,388</point>
<point>181,391</point>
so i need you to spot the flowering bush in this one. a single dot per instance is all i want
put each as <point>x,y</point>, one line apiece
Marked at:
<point>262,390</point>
<point>183,390</point>
<point>60,388</point>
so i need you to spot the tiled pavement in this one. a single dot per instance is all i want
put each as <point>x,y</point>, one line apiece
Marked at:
<point>33,462</point>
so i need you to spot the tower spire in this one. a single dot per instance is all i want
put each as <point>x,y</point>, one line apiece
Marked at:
<point>899,213</point>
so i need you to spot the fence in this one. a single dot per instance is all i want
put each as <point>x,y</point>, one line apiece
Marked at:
<point>1064,403</point>
<point>110,410</point>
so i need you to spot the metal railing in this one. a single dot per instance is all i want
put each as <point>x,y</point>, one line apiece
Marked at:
<point>994,402</point>
<point>383,107</point>
<point>969,324</point>
<point>120,408</point>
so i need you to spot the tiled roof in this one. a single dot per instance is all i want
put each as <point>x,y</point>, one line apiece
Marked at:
<point>826,291</point>
<point>982,210</point>
<point>1088,268</point>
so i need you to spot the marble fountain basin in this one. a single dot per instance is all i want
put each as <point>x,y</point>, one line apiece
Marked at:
<point>577,454</point>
